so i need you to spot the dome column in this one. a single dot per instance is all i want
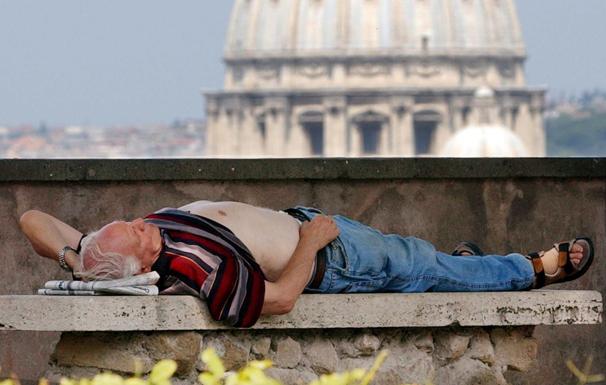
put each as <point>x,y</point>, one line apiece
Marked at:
<point>507,111</point>
<point>335,126</point>
<point>251,140</point>
<point>277,112</point>
<point>459,113</point>
<point>223,133</point>
<point>537,109</point>
<point>229,136</point>
<point>403,136</point>
<point>212,125</point>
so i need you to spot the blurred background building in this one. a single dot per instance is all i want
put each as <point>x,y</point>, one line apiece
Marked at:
<point>302,78</point>
<point>375,78</point>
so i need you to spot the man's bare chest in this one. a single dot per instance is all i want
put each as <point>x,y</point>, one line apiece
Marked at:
<point>271,236</point>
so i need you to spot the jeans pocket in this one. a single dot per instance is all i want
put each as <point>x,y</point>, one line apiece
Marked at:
<point>337,258</point>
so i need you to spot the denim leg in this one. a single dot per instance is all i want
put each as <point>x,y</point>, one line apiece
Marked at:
<point>429,270</point>
<point>363,259</point>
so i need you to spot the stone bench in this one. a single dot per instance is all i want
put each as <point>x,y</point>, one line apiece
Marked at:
<point>449,338</point>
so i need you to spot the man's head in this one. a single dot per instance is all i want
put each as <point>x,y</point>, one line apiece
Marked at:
<point>119,249</point>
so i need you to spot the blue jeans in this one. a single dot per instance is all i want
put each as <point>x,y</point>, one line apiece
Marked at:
<point>363,259</point>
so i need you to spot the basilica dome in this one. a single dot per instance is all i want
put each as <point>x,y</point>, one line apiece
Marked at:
<point>485,141</point>
<point>300,28</point>
<point>350,78</point>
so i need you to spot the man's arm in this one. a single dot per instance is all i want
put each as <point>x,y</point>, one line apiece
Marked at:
<point>281,295</point>
<point>48,235</point>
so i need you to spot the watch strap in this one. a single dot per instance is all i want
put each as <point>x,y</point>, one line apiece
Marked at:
<point>61,254</point>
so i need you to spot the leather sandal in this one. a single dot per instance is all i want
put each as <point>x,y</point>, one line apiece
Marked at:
<point>467,247</point>
<point>566,270</point>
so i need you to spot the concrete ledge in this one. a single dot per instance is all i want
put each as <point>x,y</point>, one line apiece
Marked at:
<point>43,170</point>
<point>540,307</point>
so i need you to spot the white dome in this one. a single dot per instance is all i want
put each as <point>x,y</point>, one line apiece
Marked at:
<point>303,28</point>
<point>484,93</point>
<point>485,141</point>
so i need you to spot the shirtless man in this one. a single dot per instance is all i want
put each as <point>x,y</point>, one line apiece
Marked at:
<point>246,261</point>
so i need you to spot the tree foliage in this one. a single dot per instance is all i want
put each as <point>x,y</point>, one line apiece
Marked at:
<point>583,135</point>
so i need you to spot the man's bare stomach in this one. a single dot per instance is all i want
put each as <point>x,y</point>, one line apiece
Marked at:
<point>271,236</point>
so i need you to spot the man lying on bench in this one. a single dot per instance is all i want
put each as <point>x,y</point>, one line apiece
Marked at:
<point>246,261</point>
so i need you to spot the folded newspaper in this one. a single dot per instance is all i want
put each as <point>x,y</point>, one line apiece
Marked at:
<point>143,284</point>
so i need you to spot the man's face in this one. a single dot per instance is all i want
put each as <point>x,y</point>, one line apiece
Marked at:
<point>119,237</point>
<point>128,239</point>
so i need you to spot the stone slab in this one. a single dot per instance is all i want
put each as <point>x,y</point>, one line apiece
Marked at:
<point>111,313</point>
<point>94,170</point>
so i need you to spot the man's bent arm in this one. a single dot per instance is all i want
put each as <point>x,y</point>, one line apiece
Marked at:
<point>280,296</point>
<point>48,235</point>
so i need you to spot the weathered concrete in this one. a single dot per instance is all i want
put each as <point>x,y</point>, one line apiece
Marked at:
<point>312,311</point>
<point>504,205</point>
<point>136,170</point>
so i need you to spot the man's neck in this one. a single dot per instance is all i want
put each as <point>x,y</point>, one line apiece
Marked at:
<point>157,244</point>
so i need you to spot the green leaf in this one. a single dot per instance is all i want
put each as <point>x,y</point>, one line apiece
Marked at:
<point>162,372</point>
<point>135,381</point>
<point>207,378</point>
<point>62,381</point>
<point>213,362</point>
<point>106,379</point>
<point>264,364</point>
<point>375,367</point>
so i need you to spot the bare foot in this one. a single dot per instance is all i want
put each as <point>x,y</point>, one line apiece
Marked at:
<point>550,258</point>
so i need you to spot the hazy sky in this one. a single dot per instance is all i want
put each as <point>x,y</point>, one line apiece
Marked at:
<point>142,61</point>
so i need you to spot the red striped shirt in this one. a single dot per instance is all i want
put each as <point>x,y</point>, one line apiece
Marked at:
<point>202,256</point>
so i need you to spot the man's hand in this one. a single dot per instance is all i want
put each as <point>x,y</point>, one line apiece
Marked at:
<point>280,296</point>
<point>319,232</point>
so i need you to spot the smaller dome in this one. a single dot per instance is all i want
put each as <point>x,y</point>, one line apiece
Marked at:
<point>484,93</point>
<point>484,141</point>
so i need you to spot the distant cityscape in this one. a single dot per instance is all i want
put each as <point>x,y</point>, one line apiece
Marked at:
<point>582,117</point>
<point>576,106</point>
<point>181,139</point>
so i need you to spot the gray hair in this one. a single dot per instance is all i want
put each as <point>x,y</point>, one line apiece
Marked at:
<point>106,265</point>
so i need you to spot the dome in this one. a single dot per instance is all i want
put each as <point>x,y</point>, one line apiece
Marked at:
<point>300,28</point>
<point>484,93</point>
<point>485,142</point>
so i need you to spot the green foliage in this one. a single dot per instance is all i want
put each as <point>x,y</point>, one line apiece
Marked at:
<point>583,376</point>
<point>582,136</point>
<point>254,374</point>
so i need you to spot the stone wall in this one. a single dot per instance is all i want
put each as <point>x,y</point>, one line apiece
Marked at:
<point>504,205</point>
<point>456,356</point>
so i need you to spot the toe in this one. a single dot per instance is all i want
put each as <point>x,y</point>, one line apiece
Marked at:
<point>576,254</point>
<point>576,248</point>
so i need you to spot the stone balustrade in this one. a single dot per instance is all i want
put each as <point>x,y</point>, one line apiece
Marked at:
<point>503,204</point>
<point>447,338</point>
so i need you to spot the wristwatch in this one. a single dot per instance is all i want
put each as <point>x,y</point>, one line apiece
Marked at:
<point>61,254</point>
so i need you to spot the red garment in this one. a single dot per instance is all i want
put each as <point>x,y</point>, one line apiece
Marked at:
<point>202,257</point>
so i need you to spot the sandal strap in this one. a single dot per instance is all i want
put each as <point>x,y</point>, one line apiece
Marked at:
<point>539,271</point>
<point>467,247</point>
<point>562,249</point>
<point>564,257</point>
